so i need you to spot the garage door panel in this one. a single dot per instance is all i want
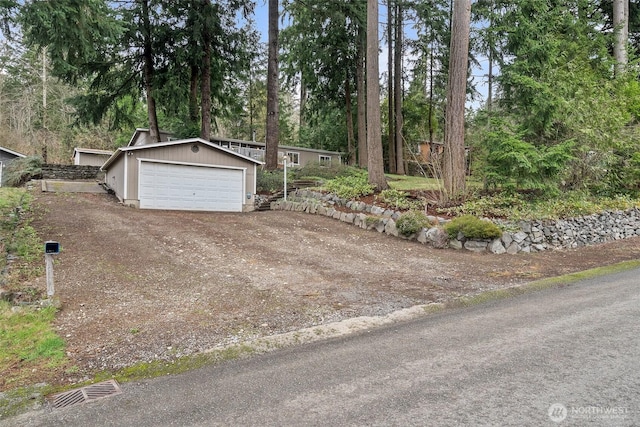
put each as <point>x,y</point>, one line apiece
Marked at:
<point>186,187</point>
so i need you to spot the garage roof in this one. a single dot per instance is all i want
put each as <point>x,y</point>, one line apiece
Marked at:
<point>164,135</point>
<point>120,151</point>
<point>90,151</point>
<point>13,153</point>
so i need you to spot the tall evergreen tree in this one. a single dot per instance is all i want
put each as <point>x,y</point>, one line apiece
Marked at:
<point>362,98</point>
<point>272,88</point>
<point>7,10</point>
<point>431,48</point>
<point>398,91</point>
<point>151,48</point>
<point>149,69</point>
<point>374,137</point>
<point>329,76</point>
<point>216,89</point>
<point>621,33</point>
<point>454,167</point>
<point>546,44</point>
<point>391,137</point>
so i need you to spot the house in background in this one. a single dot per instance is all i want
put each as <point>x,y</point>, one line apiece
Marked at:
<point>189,174</point>
<point>298,156</point>
<point>6,157</point>
<point>90,156</point>
<point>428,151</point>
<point>142,137</point>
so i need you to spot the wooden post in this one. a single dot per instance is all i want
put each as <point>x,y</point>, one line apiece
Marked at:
<point>51,248</point>
<point>48,259</point>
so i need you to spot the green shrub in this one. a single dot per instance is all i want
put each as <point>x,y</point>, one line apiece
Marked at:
<point>271,181</point>
<point>500,205</point>
<point>472,228</point>
<point>371,221</point>
<point>512,162</point>
<point>412,222</point>
<point>22,170</point>
<point>324,171</point>
<point>397,199</point>
<point>350,187</point>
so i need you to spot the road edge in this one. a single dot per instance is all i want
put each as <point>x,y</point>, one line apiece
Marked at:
<point>362,323</point>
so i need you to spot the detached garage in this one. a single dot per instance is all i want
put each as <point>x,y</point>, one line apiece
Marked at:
<point>190,174</point>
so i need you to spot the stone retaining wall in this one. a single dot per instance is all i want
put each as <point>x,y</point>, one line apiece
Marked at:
<point>523,236</point>
<point>71,172</point>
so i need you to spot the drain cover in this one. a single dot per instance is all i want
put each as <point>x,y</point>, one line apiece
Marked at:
<point>85,394</point>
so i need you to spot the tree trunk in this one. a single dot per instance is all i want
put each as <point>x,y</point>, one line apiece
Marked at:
<point>193,95</point>
<point>252,132</point>
<point>490,76</point>
<point>303,103</point>
<point>205,89</point>
<point>399,151</point>
<point>390,93</point>
<point>148,71</point>
<point>454,167</point>
<point>272,89</point>
<point>362,99</point>
<point>621,32</point>
<point>431,124</point>
<point>374,134</point>
<point>349,112</point>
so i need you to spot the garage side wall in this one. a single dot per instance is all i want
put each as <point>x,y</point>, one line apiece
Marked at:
<point>114,178</point>
<point>186,153</point>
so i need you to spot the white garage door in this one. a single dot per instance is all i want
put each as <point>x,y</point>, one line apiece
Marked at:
<point>193,188</point>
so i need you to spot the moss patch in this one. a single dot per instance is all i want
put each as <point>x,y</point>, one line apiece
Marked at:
<point>542,284</point>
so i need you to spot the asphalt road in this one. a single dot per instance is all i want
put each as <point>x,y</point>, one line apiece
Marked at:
<point>568,356</point>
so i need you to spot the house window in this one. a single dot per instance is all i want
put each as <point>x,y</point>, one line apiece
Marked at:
<point>325,160</point>
<point>294,158</point>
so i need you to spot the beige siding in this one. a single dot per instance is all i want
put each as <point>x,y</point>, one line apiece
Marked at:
<point>143,137</point>
<point>90,159</point>
<point>114,177</point>
<point>305,156</point>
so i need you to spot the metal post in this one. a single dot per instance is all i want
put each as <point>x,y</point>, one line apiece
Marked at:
<point>285,161</point>
<point>48,259</point>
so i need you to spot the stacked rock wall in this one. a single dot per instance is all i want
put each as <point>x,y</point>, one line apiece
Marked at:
<point>71,172</point>
<point>523,236</point>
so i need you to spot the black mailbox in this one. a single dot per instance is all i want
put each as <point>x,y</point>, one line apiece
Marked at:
<point>51,247</point>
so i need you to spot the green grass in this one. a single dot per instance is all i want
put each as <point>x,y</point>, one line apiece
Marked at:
<point>406,183</point>
<point>19,237</point>
<point>27,342</point>
<point>11,197</point>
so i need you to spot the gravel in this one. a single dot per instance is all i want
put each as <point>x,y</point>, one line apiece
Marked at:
<point>142,285</point>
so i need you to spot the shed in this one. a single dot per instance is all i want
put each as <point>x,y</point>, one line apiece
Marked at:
<point>6,157</point>
<point>90,156</point>
<point>189,174</point>
<point>430,150</point>
<point>143,136</point>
